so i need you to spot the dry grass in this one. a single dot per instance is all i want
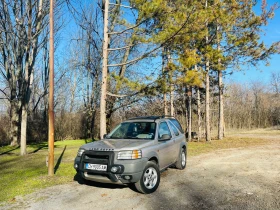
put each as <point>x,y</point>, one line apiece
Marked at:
<point>266,131</point>
<point>197,148</point>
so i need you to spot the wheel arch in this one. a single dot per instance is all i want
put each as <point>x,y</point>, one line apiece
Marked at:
<point>154,159</point>
<point>183,145</point>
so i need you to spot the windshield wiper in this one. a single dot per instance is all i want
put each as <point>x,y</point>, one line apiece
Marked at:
<point>131,137</point>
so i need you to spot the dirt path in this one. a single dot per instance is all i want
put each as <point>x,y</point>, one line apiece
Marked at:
<point>246,178</point>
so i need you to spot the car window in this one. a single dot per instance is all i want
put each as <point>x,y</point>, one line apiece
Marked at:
<point>177,124</point>
<point>163,129</point>
<point>174,129</point>
<point>134,130</point>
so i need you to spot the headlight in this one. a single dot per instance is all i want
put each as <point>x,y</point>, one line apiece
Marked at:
<point>80,152</point>
<point>128,155</point>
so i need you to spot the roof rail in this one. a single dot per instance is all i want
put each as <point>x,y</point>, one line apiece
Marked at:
<point>152,117</point>
<point>164,116</point>
<point>145,117</point>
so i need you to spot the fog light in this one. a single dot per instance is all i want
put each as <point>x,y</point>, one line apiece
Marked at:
<point>114,169</point>
<point>127,177</point>
<point>76,166</point>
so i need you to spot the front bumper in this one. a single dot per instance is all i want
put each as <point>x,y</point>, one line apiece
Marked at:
<point>130,170</point>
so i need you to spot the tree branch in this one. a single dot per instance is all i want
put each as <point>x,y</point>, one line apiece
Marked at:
<point>7,97</point>
<point>117,95</point>
<point>121,5</point>
<point>155,49</point>
<point>121,48</point>
<point>132,27</point>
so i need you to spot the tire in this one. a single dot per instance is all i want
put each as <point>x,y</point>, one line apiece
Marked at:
<point>150,179</point>
<point>182,160</point>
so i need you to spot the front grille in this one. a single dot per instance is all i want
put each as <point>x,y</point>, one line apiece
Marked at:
<point>97,157</point>
<point>92,158</point>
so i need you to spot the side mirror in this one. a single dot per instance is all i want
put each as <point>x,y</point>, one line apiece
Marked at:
<point>165,137</point>
<point>105,136</point>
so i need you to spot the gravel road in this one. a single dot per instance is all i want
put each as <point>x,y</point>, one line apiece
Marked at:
<point>244,178</point>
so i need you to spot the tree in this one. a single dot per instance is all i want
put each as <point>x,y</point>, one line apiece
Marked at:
<point>20,27</point>
<point>146,14</point>
<point>275,82</point>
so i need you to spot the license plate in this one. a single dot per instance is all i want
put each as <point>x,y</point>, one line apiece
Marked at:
<point>96,167</point>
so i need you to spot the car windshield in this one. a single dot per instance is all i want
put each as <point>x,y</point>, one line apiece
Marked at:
<point>134,130</point>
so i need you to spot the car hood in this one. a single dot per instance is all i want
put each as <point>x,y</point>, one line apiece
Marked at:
<point>118,144</point>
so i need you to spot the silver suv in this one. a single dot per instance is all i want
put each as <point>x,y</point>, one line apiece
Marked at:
<point>134,153</point>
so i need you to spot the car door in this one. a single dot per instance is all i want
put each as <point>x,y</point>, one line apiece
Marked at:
<point>177,139</point>
<point>165,147</point>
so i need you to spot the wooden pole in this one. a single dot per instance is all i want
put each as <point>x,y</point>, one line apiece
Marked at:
<point>104,73</point>
<point>51,97</point>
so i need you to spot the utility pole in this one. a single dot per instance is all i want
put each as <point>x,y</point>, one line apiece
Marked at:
<point>51,97</point>
<point>104,72</point>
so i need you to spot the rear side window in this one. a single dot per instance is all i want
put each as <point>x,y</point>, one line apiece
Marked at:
<point>177,124</point>
<point>163,129</point>
<point>173,127</point>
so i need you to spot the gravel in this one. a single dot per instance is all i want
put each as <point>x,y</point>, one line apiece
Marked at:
<point>244,178</point>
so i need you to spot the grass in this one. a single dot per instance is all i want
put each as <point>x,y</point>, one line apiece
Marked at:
<point>23,175</point>
<point>197,148</point>
<point>265,131</point>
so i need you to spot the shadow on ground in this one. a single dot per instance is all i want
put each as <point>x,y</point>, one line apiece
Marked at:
<point>59,160</point>
<point>9,151</point>
<point>82,181</point>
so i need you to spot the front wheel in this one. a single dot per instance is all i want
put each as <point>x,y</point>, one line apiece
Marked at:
<point>150,179</point>
<point>182,160</point>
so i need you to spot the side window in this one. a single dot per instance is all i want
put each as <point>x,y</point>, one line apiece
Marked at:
<point>174,129</point>
<point>163,129</point>
<point>177,124</point>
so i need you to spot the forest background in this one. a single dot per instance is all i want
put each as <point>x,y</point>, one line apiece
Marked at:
<point>164,58</point>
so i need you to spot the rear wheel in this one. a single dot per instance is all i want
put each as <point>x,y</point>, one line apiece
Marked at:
<point>182,160</point>
<point>150,179</point>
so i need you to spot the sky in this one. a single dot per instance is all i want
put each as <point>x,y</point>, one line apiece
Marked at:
<point>263,73</point>
<point>246,75</point>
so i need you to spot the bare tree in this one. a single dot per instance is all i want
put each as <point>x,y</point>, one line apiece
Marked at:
<point>20,27</point>
<point>275,82</point>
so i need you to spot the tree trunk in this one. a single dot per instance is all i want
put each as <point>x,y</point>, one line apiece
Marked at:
<point>189,91</point>
<point>207,94</point>
<point>165,104</point>
<point>23,130</point>
<point>198,114</point>
<point>14,114</point>
<point>207,104</point>
<point>25,101</point>
<point>221,106</point>
<point>221,93</point>
<point>171,100</point>
<point>14,129</point>
<point>104,74</point>
<point>186,110</point>
<point>171,85</point>
<point>163,73</point>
